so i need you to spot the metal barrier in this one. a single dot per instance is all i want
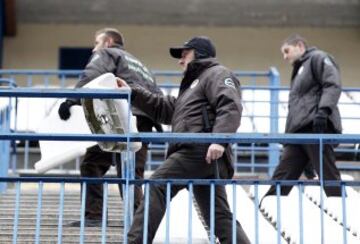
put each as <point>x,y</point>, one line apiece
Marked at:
<point>265,109</point>
<point>347,236</point>
<point>162,138</point>
<point>59,78</point>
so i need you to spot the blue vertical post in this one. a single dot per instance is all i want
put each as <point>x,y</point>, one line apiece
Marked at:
<point>4,144</point>
<point>2,30</point>
<point>274,79</point>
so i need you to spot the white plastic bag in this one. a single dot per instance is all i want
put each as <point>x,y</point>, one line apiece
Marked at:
<point>110,116</point>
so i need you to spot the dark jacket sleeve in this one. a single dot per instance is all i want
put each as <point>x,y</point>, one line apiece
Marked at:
<point>158,107</point>
<point>223,93</point>
<point>327,73</point>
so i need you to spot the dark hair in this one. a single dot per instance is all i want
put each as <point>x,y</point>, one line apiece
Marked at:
<point>294,39</point>
<point>113,34</point>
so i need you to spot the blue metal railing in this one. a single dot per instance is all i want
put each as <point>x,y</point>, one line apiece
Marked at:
<point>59,78</point>
<point>161,138</point>
<point>190,183</point>
<point>263,157</point>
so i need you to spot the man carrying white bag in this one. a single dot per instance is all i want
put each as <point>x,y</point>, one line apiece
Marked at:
<point>109,56</point>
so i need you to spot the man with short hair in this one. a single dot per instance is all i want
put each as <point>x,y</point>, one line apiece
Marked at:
<point>209,100</point>
<point>314,94</point>
<point>109,55</point>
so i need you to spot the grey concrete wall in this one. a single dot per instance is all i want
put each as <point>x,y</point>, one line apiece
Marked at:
<point>193,12</point>
<point>36,46</point>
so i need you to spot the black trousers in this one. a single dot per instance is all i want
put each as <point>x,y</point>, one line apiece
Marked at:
<point>295,158</point>
<point>97,162</point>
<point>187,163</point>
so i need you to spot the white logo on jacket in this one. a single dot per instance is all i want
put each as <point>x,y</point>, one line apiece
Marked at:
<point>327,61</point>
<point>95,57</point>
<point>194,83</point>
<point>229,82</point>
<point>301,69</point>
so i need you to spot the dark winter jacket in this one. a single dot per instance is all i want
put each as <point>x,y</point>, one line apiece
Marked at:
<point>315,85</point>
<point>207,87</point>
<point>122,64</point>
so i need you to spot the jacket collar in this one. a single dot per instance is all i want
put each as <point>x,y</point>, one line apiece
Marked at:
<point>195,69</point>
<point>308,52</point>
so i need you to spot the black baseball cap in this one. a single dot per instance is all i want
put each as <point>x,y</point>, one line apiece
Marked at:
<point>201,44</point>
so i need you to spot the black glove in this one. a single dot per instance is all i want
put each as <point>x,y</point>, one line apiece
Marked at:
<point>309,171</point>
<point>64,109</point>
<point>320,121</point>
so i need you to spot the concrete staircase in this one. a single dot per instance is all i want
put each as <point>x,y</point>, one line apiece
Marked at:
<point>26,229</point>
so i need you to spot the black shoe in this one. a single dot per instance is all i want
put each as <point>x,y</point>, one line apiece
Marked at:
<point>88,223</point>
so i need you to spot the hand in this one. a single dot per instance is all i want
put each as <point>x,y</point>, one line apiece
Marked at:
<point>215,151</point>
<point>320,123</point>
<point>64,109</point>
<point>121,83</point>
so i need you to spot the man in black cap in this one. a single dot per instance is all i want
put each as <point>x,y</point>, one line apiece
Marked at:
<point>209,100</point>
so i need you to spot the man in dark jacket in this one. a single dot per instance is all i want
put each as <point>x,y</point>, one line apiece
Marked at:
<point>314,94</point>
<point>109,56</point>
<point>209,100</point>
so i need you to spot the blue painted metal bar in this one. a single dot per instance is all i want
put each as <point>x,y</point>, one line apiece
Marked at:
<point>274,153</point>
<point>127,222</point>
<point>69,93</point>
<point>146,213</point>
<point>39,72</point>
<point>38,213</point>
<point>8,82</point>
<point>4,145</point>
<point>256,185</point>
<point>190,189</point>
<point>16,212</point>
<point>168,211</point>
<point>26,155</point>
<point>343,200</point>
<point>104,213</point>
<point>61,211</point>
<point>176,181</point>
<point>234,213</point>
<point>191,137</point>
<point>321,151</point>
<point>78,72</point>
<point>301,211</point>
<point>212,212</point>
<point>82,211</point>
<point>278,213</point>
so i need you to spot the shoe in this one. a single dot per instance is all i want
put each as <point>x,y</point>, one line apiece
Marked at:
<point>88,223</point>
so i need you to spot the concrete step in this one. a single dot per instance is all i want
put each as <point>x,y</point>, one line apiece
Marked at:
<point>8,230</point>
<point>53,211</point>
<point>65,239</point>
<point>51,222</point>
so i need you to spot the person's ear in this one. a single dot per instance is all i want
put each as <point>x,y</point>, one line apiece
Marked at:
<point>301,45</point>
<point>109,42</point>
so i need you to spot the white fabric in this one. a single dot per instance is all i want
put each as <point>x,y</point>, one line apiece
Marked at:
<point>55,153</point>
